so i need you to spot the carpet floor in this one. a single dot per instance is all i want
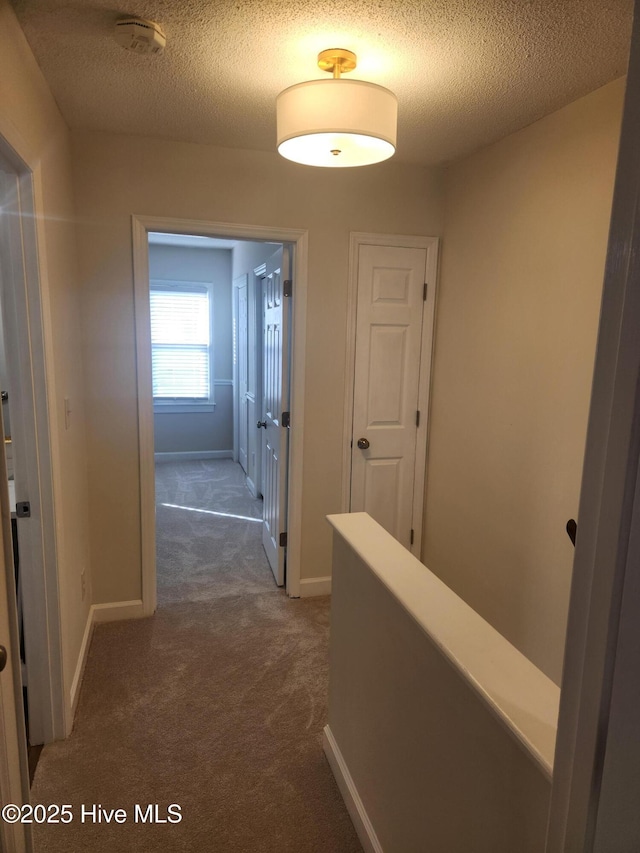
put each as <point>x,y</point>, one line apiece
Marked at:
<point>215,704</point>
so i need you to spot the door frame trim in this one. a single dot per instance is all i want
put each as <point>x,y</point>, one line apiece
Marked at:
<point>597,751</point>
<point>259,273</point>
<point>235,288</point>
<point>296,237</point>
<point>432,245</point>
<point>53,716</point>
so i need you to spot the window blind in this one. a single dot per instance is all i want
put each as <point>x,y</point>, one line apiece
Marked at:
<point>180,340</point>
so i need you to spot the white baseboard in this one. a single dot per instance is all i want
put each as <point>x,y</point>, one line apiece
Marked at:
<point>315,586</point>
<point>116,610</point>
<point>98,613</point>
<point>189,455</point>
<point>350,795</point>
<point>74,693</point>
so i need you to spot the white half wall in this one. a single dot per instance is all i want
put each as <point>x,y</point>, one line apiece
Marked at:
<point>441,734</point>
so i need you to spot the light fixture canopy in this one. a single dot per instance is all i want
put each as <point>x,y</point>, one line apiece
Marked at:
<point>336,123</point>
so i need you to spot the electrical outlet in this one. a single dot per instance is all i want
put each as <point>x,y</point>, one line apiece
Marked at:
<point>83,584</point>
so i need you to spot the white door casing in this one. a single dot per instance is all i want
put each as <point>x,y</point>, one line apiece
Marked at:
<point>298,239</point>
<point>243,410</point>
<point>13,763</point>
<point>275,395</point>
<point>247,319</point>
<point>28,338</point>
<point>254,378</point>
<point>594,797</point>
<point>392,301</point>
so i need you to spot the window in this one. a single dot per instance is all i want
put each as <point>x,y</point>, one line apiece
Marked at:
<point>181,343</point>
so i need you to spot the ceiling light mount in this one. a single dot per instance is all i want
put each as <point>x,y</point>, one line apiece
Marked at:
<point>337,60</point>
<point>338,122</point>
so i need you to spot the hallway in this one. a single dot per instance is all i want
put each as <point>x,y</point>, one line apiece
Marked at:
<point>215,704</point>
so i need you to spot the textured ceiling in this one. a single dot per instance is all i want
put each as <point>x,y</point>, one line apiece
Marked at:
<point>466,72</point>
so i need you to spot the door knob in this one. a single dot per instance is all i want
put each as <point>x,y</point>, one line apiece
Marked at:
<point>3,658</point>
<point>262,424</point>
<point>363,443</point>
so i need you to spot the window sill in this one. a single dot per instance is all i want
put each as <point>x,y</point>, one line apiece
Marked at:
<point>183,408</point>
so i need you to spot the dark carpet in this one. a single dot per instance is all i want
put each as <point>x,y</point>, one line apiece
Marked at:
<point>215,704</point>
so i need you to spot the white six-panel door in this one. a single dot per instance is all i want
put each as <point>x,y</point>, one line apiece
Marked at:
<point>389,342</point>
<point>275,400</point>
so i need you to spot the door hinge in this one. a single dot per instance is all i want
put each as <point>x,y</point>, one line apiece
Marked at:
<point>424,292</point>
<point>286,419</point>
<point>411,537</point>
<point>23,509</point>
<point>287,287</point>
<point>283,540</point>
<point>418,418</point>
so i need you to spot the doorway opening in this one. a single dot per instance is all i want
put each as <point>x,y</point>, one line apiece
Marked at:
<point>220,385</point>
<point>220,432</point>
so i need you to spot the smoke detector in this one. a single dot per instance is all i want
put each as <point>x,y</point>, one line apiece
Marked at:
<point>139,35</point>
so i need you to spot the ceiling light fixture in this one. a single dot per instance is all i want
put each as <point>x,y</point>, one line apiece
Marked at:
<point>336,123</point>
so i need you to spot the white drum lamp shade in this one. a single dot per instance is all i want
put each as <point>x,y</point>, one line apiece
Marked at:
<point>336,123</point>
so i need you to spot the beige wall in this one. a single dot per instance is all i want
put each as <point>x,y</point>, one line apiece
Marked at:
<point>28,111</point>
<point>525,237</point>
<point>116,176</point>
